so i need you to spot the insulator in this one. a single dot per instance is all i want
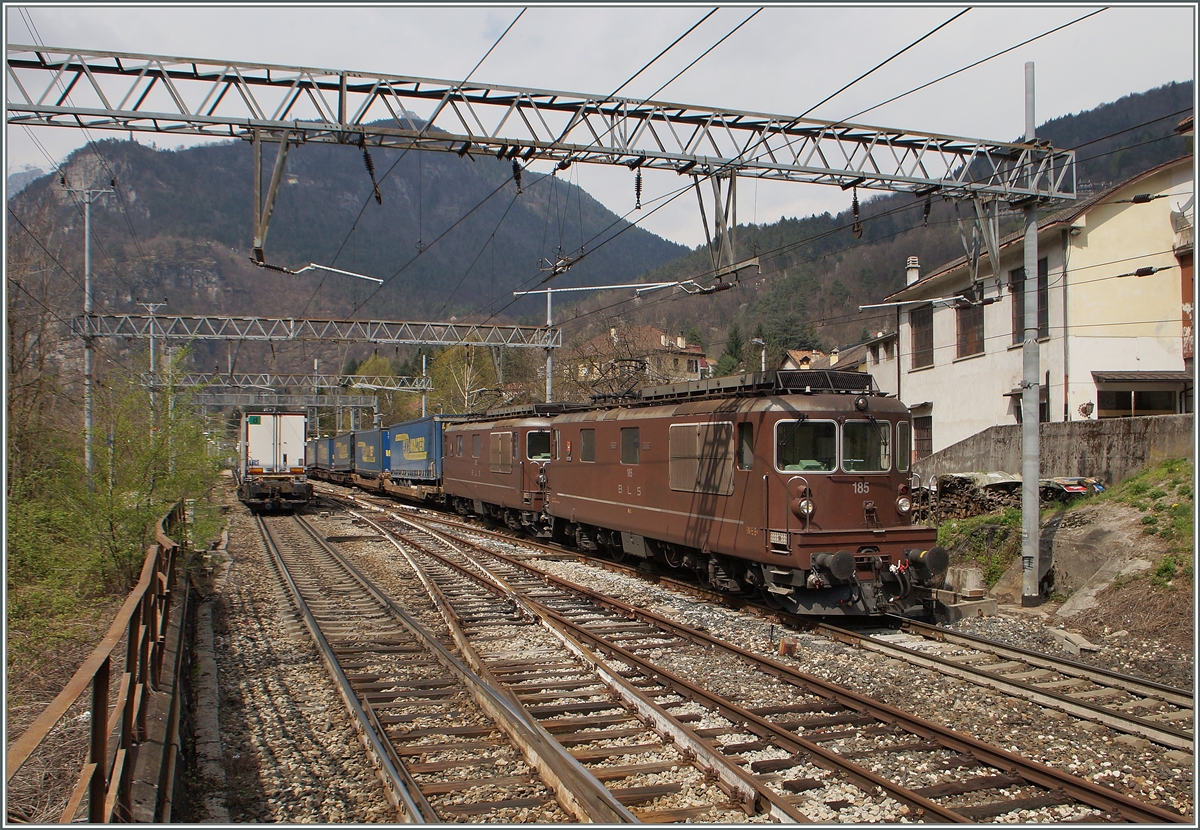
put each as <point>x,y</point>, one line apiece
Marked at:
<point>925,213</point>
<point>517,174</point>
<point>637,189</point>
<point>857,229</point>
<point>369,163</point>
<point>62,179</point>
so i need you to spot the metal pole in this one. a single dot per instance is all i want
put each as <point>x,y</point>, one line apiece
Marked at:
<point>549,351</point>
<point>170,412</point>
<point>1030,388</point>
<point>152,308</point>
<point>424,394</point>
<point>88,346</point>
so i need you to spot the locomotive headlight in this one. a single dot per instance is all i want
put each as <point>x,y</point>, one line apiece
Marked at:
<point>806,507</point>
<point>903,504</point>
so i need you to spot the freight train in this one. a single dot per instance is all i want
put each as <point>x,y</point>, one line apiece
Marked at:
<point>792,486</point>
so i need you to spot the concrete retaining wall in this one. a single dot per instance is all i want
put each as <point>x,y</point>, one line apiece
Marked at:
<point>1112,450</point>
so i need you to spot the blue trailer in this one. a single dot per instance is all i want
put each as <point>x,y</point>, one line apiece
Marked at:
<point>341,463</point>
<point>324,453</point>
<point>371,456</point>
<point>415,460</point>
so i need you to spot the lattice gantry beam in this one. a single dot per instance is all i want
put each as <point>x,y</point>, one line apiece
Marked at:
<point>264,381</point>
<point>130,92</point>
<point>305,330</point>
<point>285,401</point>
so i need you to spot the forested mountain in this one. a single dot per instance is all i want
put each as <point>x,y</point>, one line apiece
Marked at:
<point>453,231</point>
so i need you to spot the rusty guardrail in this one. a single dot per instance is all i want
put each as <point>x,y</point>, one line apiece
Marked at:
<point>144,621</point>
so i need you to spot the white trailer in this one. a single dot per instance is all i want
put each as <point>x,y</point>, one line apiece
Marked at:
<point>271,474</point>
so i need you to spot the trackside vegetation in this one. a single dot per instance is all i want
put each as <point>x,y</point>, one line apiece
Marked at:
<point>75,547</point>
<point>1163,494</point>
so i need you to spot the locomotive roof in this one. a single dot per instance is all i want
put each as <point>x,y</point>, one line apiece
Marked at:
<point>758,385</point>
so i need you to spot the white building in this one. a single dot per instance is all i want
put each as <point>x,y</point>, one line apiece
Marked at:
<point>1115,290</point>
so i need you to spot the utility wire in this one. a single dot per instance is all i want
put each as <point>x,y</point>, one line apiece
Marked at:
<point>973,65</point>
<point>884,62</point>
<point>400,158</point>
<point>695,25</point>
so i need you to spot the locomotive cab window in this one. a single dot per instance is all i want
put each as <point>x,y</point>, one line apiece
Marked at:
<point>537,446</point>
<point>458,445</point>
<point>631,445</point>
<point>903,446</point>
<point>745,446</point>
<point>587,445</point>
<point>806,446</point>
<point>476,444</point>
<point>866,446</point>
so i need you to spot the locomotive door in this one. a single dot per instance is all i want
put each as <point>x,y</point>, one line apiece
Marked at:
<point>752,466</point>
<point>535,455</point>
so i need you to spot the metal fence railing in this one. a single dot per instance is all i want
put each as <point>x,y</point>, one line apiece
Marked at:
<point>119,729</point>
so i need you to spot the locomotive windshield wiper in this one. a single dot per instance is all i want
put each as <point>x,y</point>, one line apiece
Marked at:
<point>801,417</point>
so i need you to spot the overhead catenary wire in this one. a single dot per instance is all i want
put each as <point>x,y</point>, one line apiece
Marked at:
<point>403,153</point>
<point>884,62</point>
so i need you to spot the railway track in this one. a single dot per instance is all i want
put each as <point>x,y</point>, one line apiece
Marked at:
<point>822,748</point>
<point>438,735</point>
<point>1136,706</point>
<point>1133,705</point>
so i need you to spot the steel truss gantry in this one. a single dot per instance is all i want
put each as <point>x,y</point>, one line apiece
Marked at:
<point>265,381</point>
<point>132,92</point>
<point>243,399</point>
<point>307,330</point>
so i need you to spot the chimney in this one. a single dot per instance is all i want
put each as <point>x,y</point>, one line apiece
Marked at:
<point>662,339</point>
<point>681,341</point>
<point>914,270</point>
<point>833,358</point>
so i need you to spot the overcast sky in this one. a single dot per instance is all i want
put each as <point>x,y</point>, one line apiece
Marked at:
<point>784,60</point>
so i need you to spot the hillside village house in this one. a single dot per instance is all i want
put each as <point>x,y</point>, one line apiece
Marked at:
<point>876,356</point>
<point>667,359</point>
<point>1115,291</point>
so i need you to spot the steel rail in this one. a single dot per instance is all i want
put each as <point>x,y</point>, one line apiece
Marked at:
<point>1127,682</point>
<point>573,783</point>
<point>1160,733</point>
<point>1083,791</point>
<point>714,763</point>
<point>401,790</point>
<point>754,723</point>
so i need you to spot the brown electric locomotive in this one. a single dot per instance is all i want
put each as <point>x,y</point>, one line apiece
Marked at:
<point>494,467</point>
<point>792,485</point>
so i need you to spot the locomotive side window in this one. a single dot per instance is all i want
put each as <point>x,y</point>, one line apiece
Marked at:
<point>537,446</point>
<point>903,446</point>
<point>806,446</point>
<point>866,446</point>
<point>701,458</point>
<point>501,452</point>
<point>631,445</point>
<point>556,444</point>
<point>587,445</point>
<point>745,445</point>
<point>476,443</point>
